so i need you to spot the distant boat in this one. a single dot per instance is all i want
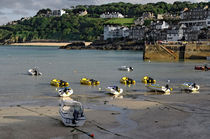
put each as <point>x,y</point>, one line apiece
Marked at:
<point>190,86</point>
<point>87,81</point>
<point>72,113</point>
<point>59,83</point>
<point>65,92</point>
<point>147,79</point>
<point>158,88</point>
<point>126,80</point>
<point>114,90</point>
<point>202,68</point>
<point>125,68</point>
<point>34,72</point>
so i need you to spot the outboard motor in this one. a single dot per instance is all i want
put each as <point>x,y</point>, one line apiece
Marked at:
<point>131,68</point>
<point>75,115</point>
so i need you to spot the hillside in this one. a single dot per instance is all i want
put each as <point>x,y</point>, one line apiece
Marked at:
<point>71,26</point>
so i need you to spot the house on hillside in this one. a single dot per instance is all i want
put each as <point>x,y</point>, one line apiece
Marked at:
<point>58,12</point>
<point>115,31</point>
<point>161,25</point>
<point>175,33</point>
<point>148,16</point>
<point>137,32</point>
<point>199,17</point>
<point>111,15</point>
<point>139,21</point>
<point>83,13</point>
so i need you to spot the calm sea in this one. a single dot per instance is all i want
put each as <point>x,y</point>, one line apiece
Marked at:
<point>17,87</point>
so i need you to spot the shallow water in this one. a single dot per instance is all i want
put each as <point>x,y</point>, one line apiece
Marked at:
<point>17,87</point>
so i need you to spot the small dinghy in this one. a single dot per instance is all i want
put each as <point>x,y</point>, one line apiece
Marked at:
<point>125,68</point>
<point>190,86</point>
<point>159,88</point>
<point>147,79</point>
<point>114,90</point>
<point>205,67</point>
<point>34,72</point>
<point>87,81</point>
<point>65,92</point>
<point>126,80</point>
<point>59,83</point>
<point>72,113</point>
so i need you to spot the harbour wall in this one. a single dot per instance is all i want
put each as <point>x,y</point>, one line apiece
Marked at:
<point>177,51</point>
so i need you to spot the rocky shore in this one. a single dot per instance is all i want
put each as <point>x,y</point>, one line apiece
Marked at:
<point>104,45</point>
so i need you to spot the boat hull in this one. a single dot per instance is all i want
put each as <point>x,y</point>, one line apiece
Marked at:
<point>86,81</point>
<point>113,91</point>
<point>68,93</point>
<point>201,68</point>
<point>189,87</point>
<point>126,80</point>
<point>57,83</point>
<point>158,88</point>
<point>31,72</point>
<point>68,121</point>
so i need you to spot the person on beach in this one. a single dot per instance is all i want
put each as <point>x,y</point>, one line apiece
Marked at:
<point>205,67</point>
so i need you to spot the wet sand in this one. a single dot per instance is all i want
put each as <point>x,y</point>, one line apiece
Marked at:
<point>154,116</point>
<point>58,44</point>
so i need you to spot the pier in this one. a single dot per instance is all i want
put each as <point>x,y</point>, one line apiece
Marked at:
<point>177,50</point>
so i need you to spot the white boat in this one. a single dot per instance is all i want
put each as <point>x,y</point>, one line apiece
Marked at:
<point>72,113</point>
<point>65,92</point>
<point>115,90</point>
<point>125,68</point>
<point>159,88</point>
<point>34,72</point>
<point>190,86</point>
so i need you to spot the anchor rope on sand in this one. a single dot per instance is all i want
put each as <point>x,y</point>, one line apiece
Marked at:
<point>80,130</point>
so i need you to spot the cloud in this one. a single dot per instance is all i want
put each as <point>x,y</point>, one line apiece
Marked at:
<point>2,13</point>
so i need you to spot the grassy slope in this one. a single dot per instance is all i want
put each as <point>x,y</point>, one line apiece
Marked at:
<point>121,21</point>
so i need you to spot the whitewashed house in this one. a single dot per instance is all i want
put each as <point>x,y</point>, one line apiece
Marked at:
<point>111,15</point>
<point>112,31</point>
<point>176,33</point>
<point>58,12</point>
<point>161,25</point>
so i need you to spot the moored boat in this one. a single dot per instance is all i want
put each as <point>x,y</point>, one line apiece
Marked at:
<point>126,80</point>
<point>159,88</point>
<point>72,113</point>
<point>87,81</point>
<point>59,83</point>
<point>147,79</point>
<point>190,86</point>
<point>202,68</point>
<point>125,68</point>
<point>34,72</point>
<point>114,90</point>
<point>65,92</point>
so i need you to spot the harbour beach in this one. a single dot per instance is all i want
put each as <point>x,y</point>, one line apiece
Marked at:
<point>29,105</point>
<point>57,44</point>
<point>183,116</point>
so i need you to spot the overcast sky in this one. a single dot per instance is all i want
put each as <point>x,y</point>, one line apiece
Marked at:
<point>16,9</point>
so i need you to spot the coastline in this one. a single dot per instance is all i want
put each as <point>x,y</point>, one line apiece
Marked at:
<point>57,44</point>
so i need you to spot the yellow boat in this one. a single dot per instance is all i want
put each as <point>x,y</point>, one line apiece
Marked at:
<point>126,80</point>
<point>87,81</point>
<point>59,83</point>
<point>147,79</point>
